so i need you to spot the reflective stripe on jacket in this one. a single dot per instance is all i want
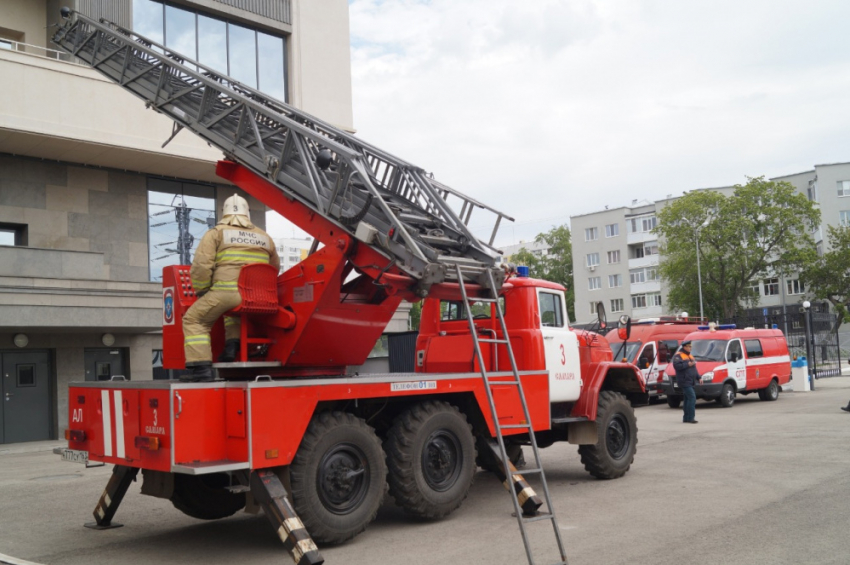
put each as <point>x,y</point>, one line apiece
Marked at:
<point>224,250</point>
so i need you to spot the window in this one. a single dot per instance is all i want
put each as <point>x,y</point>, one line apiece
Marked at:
<point>592,259</point>
<point>812,191</point>
<point>615,281</point>
<point>734,351</point>
<point>650,248</point>
<point>844,218</point>
<point>594,283</point>
<point>227,47</point>
<point>613,256</point>
<point>551,311</point>
<point>641,224</point>
<point>5,44</point>
<point>648,224</point>
<point>771,287</point>
<point>753,348</point>
<point>755,287</point>
<point>26,375</point>
<point>666,349</point>
<point>638,252</point>
<point>593,308</point>
<point>638,301</point>
<point>13,234</point>
<point>454,310</point>
<point>844,188</point>
<point>591,234</point>
<point>653,299</point>
<point>647,356</point>
<point>637,276</point>
<point>652,274</point>
<point>294,258</point>
<point>612,230</point>
<point>179,214</point>
<point>795,287</point>
<point>616,305</point>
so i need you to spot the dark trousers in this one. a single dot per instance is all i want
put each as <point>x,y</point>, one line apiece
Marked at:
<point>690,404</point>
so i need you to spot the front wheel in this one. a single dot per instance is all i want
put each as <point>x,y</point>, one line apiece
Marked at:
<point>616,429</point>
<point>727,396</point>
<point>431,459</point>
<point>770,393</point>
<point>338,477</point>
<point>673,401</point>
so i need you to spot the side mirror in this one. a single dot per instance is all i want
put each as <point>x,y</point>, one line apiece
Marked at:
<point>600,314</point>
<point>644,363</point>
<point>624,327</point>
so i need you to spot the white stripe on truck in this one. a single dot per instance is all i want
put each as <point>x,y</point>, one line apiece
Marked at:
<point>119,425</point>
<point>107,422</point>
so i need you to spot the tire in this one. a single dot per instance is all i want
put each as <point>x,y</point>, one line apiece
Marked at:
<point>206,497</point>
<point>514,454</point>
<point>673,401</point>
<point>338,477</point>
<point>431,459</point>
<point>770,393</point>
<point>616,426</point>
<point>727,396</point>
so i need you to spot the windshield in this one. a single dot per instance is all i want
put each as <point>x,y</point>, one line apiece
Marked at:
<point>708,349</point>
<point>626,350</point>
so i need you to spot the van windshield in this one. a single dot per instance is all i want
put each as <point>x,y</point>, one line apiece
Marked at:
<point>708,349</point>
<point>625,350</point>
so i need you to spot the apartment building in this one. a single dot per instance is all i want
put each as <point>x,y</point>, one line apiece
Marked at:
<point>616,257</point>
<point>92,207</point>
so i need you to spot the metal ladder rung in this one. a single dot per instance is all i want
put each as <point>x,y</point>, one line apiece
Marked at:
<point>486,300</point>
<point>540,516</point>
<point>496,383</point>
<point>532,471</point>
<point>482,340</point>
<point>515,426</point>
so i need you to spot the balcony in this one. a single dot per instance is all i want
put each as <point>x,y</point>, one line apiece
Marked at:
<point>648,312</point>
<point>640,237</point>
<point>646,261</point>
<point>645,287</point>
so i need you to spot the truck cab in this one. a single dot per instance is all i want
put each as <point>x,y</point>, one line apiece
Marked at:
<point>734,361</point>
<point>651,346</point>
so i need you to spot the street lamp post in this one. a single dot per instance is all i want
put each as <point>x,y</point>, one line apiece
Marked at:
<point>699,273</point>
<point>810,362</point>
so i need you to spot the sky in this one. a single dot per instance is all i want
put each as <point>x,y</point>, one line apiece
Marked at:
<point>545,109</point>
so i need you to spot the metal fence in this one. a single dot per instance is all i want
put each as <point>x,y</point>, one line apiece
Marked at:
<point>823,350</point>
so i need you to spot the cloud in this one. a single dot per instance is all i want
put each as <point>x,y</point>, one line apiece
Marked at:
<point>553,108</point>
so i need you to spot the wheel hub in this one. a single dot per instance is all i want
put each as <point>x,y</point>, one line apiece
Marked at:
<point>343,478</point>
<point>617,436</point>
<point>441,462</point>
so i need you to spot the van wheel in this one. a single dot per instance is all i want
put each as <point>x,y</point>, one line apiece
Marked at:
<point>431,459</point>
<point>727,396</point>
<point>616,444</point>
<point>673,401</point>
<point>206,497</point>
<point>770,393</point>
<point>338,477</point>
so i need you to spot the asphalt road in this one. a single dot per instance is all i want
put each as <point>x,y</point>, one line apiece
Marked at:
<point>760,483</point>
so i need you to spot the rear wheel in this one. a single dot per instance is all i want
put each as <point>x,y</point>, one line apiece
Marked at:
<point>673,401</point>
<point>770,393</point>
<point>206,496</point>
<point>616,429</point>
<point>727,396</point>
<point>431,459</point>
<point>338,477</point>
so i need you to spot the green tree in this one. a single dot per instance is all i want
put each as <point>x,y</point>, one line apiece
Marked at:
<point>828,276</point>
<point>556,266</point>
<point>762,230</point>
<point>415,316</point>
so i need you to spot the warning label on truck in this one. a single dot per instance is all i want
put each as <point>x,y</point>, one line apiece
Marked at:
<point>416,385</point>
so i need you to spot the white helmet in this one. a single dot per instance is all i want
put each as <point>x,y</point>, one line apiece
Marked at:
<point>236,205</point>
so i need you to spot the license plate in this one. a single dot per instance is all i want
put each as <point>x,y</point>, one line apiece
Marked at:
<point>75,456</point>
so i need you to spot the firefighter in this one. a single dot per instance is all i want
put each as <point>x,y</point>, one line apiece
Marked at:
<point>223,250</point>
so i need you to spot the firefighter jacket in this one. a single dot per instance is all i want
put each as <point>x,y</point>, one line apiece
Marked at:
<point>224,250</point>
<point>686,374</point>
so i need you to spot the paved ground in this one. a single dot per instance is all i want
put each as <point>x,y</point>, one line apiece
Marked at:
<point>760,483</point>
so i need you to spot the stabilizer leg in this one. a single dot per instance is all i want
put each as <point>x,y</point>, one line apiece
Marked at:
<point>527,498</point>
<point>271,494</point>
<point>111,498</point>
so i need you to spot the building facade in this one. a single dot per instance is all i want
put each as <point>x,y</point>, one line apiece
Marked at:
<point>92,207</point>
<point>616,255</point>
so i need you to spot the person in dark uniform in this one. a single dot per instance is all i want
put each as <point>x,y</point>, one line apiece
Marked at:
<point>687,376</point>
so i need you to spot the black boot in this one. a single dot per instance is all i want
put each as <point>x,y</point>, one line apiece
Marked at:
<point>198,373</point>
<point>231,351</point>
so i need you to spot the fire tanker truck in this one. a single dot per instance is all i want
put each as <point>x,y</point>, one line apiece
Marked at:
<point>286,427</point>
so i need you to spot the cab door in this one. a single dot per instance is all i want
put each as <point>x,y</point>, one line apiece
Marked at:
<point>647,362</point>
<point>736,365</point>
<point>560,347</point>
<point>757,374</point>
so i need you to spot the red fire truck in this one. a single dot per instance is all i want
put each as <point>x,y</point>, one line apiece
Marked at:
<point>287,427</point>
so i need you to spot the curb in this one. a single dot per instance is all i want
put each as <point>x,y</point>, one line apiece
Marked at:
<point>6,560</point>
